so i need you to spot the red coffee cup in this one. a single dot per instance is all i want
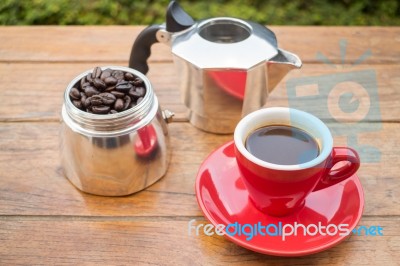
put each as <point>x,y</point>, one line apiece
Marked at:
<point>280,190</point>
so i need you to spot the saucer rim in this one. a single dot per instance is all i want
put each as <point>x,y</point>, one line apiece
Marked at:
<point>268,251</point>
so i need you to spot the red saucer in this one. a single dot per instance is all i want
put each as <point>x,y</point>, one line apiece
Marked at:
<point>223,198</point>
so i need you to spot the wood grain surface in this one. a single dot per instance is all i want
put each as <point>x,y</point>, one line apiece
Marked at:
<point>45,220</point>
<point>49,80</point>
<point>159,241</point>
<point>113,44</point>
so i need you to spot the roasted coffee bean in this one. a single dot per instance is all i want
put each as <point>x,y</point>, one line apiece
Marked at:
<point>119,105</point>
<point>106,73</point>
<point>132,105</point>
<point>118,94</point>
<point>96,100</point>
<point>139,100</point>
<point>132,92</point>
<point>113,111</point>
<point>127,102</point>
<point>89,78</point>
<point>111,81</point>
<point>77,103</point>
<point>99,84</point>
<point>110,89</point>
<point>141,90</point>
<point>118,74</point>
<point>107,98</point>
<point>102,109</point>
<point>75,94</point>
<point>137,92</point>
<point>129,76</point>
<point>83,98</point>
<point>123,86</point>
<point>87,103</point>
<point>138,81</point>
<point>96,73</point>
<point>90,91</point>
<point>83,81</point>
<point>84,85</point>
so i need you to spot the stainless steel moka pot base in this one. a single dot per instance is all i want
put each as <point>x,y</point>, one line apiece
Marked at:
<point>103,154</point>
<point>210,55</point>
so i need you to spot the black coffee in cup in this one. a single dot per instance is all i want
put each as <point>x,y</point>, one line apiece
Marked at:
<point>282,144</point>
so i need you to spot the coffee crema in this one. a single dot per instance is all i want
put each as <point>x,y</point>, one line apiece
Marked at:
<point>282,144</point>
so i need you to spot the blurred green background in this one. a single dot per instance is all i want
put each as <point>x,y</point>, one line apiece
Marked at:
<point>272,12</point>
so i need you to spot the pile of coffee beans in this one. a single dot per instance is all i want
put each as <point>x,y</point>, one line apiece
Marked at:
<point>107,91</point>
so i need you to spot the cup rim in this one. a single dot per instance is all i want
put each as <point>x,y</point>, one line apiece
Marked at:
<point>244,127</point>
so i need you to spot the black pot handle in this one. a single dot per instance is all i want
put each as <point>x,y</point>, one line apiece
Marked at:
<point>177,20</point>
<point>141,48</point>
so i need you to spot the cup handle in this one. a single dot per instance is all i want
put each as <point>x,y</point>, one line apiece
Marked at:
<point>332,177</point>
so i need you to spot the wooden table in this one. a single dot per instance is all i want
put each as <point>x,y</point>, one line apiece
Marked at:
<point>45,220</point>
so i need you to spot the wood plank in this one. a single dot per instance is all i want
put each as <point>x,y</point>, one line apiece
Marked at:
<point>31,181</point>
<point>39,94</point>
<point>167,242</point>
<point>113,43</point>
<point>382,43</point>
